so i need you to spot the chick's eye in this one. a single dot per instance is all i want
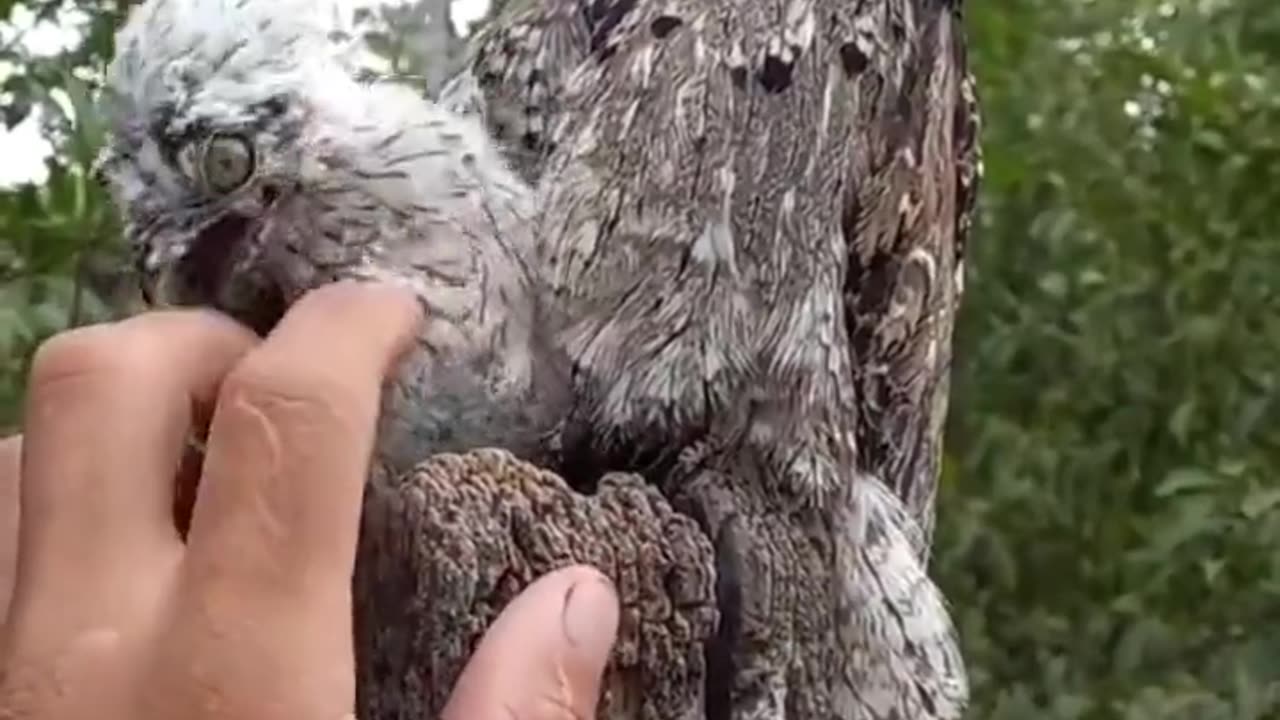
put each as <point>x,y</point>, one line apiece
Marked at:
<point>227,163</point>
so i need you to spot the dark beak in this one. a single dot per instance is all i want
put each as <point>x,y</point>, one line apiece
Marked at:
<point>209,266</point>
<point>221,271</point>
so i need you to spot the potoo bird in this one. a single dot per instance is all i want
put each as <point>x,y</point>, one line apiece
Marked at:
<point>755,216</point>
<point>250,164</point>
<point>720,257</point>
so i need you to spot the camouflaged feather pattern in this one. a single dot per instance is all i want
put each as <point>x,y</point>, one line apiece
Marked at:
<point>769,202</point>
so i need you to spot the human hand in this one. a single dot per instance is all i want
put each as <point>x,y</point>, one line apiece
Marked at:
<point>116,614</point>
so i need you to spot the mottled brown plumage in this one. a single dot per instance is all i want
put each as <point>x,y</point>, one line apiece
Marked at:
<point>754,217</point>
<point>693,117</point>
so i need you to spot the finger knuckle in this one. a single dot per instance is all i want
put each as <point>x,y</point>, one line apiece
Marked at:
<point>277,389</point>
<point>378,307</point>
<point>93,351</point>
<point>348,295</point>
<point>335,295</point>
<point>556,704</point>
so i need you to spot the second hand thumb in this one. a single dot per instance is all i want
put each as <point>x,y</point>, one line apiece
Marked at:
<point>544,657</point>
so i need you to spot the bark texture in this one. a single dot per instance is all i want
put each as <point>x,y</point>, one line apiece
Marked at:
<point>446,547</point>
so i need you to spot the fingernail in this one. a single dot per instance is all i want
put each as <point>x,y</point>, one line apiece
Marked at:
<point>590,616</point>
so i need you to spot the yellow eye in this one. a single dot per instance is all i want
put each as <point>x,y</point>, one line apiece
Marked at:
<point>227,163</point>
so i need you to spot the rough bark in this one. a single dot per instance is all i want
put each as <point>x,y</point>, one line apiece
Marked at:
<point>446,547</point>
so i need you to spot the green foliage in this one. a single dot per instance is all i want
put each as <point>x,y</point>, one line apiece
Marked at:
<point>1109,516</point>
<point>54,237</point>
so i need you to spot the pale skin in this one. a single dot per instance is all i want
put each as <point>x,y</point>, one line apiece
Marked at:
<point>112,614</point>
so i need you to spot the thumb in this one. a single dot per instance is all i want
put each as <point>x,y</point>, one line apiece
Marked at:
<point>544,657</point>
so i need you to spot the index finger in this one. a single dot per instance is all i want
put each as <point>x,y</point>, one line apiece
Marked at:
<point>291,438</point>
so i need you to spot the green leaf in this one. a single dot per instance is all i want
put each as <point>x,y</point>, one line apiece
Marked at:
<point>1181,419</point>
<point>1186,480</point>
<point>1259,502</point>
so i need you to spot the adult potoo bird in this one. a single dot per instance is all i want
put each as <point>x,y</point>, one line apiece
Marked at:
<point>754,219</point>
<point>250,165</point>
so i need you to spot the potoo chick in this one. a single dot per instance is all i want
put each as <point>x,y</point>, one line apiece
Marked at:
<point>251,163</point>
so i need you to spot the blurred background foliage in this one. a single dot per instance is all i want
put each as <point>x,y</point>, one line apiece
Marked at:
<point>1109,530</point>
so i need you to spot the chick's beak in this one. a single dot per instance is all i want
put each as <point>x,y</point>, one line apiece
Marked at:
<point>220,269</point>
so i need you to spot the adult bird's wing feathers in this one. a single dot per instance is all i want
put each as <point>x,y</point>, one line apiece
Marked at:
<point>907,218</point>
<point>907,222</point>
<point>903,659</point>
<point>514,76</point>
